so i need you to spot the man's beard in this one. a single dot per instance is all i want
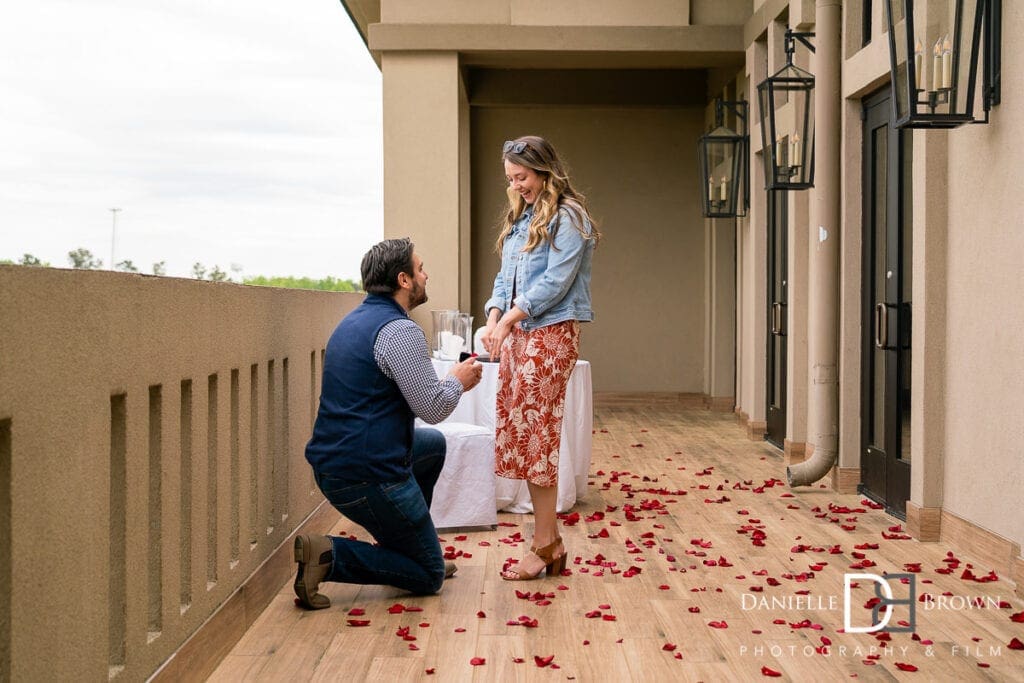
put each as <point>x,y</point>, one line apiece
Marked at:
<point>417,296</point>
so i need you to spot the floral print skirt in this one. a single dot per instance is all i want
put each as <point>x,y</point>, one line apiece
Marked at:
<point>532,376</point>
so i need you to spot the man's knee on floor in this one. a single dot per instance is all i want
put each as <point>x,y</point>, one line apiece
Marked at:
<point>435,579</point>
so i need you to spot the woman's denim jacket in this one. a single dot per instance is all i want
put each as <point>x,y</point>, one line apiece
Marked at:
<point>552,282</point>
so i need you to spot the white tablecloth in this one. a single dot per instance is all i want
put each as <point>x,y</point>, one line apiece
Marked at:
<point>464,493</point>
<point>477,408</point>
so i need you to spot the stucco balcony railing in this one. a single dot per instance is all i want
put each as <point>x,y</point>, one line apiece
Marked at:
<point>151,459</point>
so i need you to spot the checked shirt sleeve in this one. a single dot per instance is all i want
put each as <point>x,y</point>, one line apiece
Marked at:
<point>401,354</point>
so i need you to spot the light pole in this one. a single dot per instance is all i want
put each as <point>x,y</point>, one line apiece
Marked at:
<point>113,235</point>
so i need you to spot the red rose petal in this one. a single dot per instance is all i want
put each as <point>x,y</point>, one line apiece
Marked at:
<point>772,673</point>
<point>477,661</point>
<point>543,661</point>
<point>358,622</point>
<point>718,624</point>
<point>1018,617</point>
<point>669,647</point>
<point>1015,644</point>
<point>396,608</point>
<point>430,671</point>
<point>356,612</point>
<point>481,615</point>
<point>903,666</point>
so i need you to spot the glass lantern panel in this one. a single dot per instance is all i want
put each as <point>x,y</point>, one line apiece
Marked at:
<point>905,95</point>
<point>720,158</point>
<point>965,43</point>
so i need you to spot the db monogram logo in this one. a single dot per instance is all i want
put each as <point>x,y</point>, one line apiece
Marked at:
<point>884,592</point>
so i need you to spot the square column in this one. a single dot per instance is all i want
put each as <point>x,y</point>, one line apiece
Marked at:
<point>426,175</point>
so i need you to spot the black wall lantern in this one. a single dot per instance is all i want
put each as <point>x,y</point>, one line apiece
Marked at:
<point>786,101</point>
<point>935,53</point>
<point>722,155</point>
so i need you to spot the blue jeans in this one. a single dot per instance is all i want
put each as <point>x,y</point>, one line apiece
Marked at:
<point>397,515</point>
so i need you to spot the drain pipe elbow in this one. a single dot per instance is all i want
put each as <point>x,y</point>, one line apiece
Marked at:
<point>809,471</point>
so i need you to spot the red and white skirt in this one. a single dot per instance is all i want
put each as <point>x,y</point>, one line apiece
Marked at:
<point>532,376</point>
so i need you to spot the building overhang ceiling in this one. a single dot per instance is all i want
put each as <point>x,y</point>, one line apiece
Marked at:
<point>504,46</point>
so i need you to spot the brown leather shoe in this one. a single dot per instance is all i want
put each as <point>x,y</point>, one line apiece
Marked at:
<point>315,555</point>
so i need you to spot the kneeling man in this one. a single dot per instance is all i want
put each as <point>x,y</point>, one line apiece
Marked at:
<point>368,459</point>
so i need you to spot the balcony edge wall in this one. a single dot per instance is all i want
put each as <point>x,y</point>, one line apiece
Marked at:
<point>215,387</point>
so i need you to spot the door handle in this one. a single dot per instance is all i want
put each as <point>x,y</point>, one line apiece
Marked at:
<point>777,318</point>
<point>882,326</point>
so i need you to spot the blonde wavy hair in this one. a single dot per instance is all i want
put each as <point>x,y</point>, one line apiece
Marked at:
<point>536,153</point>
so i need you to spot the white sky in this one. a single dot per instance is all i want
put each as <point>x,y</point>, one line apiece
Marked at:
<point>229,132</point>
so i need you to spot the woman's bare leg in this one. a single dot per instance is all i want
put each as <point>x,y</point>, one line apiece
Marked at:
<point>545,528</point>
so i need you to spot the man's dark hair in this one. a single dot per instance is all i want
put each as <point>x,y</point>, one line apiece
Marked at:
<point>382,264</point>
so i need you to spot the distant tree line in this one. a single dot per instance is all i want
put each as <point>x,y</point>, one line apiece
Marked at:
<point>327,284</point>
<point>83,259</point>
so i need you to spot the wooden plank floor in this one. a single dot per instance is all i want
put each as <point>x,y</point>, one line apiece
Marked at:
<point>646,600</point>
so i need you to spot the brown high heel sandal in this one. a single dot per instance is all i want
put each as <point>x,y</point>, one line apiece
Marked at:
<point>553,565</point>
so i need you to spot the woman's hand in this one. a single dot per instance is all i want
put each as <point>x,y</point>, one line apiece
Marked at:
<point>497,337</point>
<point>501,329</point>
<point>488,336</point>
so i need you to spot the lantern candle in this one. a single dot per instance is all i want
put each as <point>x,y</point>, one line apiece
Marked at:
<point>794,153</point>
<point>723,194</point>
<point>778,151</point>
<point>918,64</point>
<point>937,65</point>
<point>947,63</point>
<point>711,188</point>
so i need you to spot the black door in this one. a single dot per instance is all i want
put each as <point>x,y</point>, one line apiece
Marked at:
<point>885,388</point>
<point>775,431</point>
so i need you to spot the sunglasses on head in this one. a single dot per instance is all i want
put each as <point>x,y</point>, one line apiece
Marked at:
<point>514,147</point>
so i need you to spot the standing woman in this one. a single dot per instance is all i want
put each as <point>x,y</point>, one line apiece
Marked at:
<point>540,297</point>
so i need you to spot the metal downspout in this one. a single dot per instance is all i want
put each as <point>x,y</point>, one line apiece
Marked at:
<point>823,261</point>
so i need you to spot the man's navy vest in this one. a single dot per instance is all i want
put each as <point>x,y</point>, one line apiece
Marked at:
<point>363,430</point>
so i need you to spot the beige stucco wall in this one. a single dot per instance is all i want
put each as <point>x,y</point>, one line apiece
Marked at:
<point>967,418</point>
<point>636,166</point>
<point>424,123</point>
<point>568,12</point>
<point>984,407</point>
<point>72,342</point>
<point>720,312</point>
<point>539,12</point>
